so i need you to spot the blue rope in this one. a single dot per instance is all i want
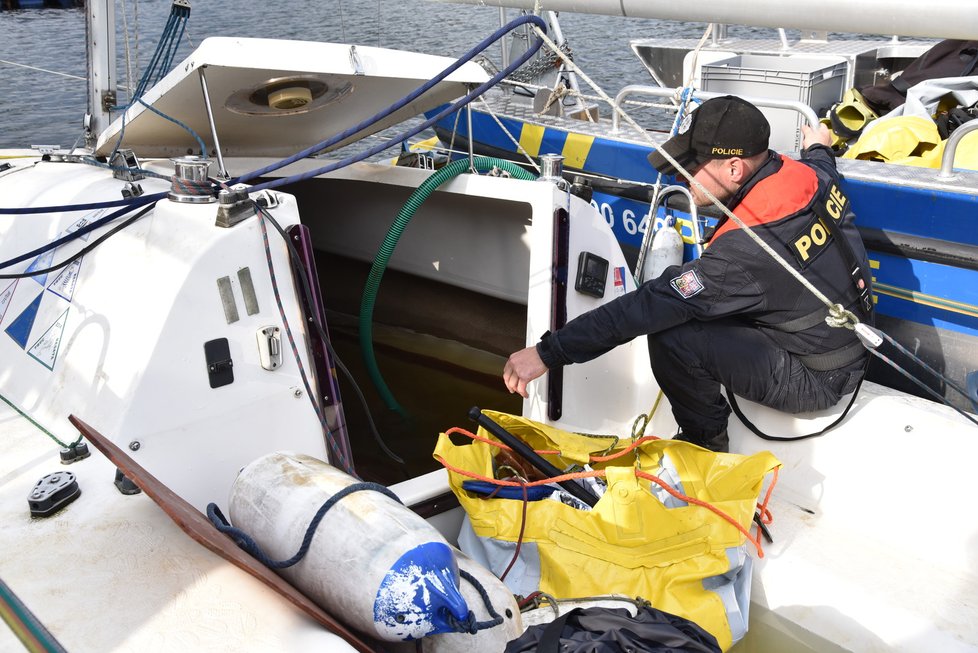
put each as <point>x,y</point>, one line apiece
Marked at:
<point>166,49</point>
<point>143,83</point>
<point>159,65</point>
<point>129,206</point>
<point>32,210</point>
<point>683,101</point>
<point>200,141</point>
<point>248,544</point>
<point>173,52</point>
<point>469,624</point>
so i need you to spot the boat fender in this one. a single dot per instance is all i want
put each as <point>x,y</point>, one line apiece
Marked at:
<point>372,562</point>
<point>666,250</point>
<point>489,599</point>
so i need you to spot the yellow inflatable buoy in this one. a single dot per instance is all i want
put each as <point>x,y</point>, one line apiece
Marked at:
<point>897,139</point>
<point>848,118</point>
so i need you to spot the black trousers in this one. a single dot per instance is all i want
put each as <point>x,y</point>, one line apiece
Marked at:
<point>693,360</point>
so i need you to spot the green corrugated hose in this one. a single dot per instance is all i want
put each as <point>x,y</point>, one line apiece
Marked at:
<point>387,249</point>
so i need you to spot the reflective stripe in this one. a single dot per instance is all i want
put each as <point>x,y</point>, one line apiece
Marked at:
<point>531,137</point>
<point>576,149</point>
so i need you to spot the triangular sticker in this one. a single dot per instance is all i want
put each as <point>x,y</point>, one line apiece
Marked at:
<point>64,284</point>
<point>42,262</point>
<point>5,298</point>
<point>45,350</point>
<point>81,223</point>
<point>20,328</point>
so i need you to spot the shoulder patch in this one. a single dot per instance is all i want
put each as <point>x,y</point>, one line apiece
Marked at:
<point>687,284</point>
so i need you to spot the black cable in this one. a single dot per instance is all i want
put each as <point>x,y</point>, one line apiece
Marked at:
<point>906,352</point>
<point>299,271</point>
<point>921,384</point>
<point>84,250</point>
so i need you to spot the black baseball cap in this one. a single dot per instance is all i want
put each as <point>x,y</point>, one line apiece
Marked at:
<point>721,128</point>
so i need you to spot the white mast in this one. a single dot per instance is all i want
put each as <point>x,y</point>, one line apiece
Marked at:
<point>950,19</point>
<point>100,28</point>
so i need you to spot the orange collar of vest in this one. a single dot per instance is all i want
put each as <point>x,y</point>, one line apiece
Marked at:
<point>784,193</point>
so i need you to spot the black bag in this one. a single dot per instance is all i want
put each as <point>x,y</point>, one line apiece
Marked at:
<point>614,630</point>
<point>948,121</point>
<point>949,58</point>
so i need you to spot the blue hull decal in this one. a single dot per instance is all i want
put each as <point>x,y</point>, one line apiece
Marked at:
<point>20,328</point>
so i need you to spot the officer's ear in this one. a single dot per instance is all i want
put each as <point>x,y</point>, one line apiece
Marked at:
<point>736,170</point>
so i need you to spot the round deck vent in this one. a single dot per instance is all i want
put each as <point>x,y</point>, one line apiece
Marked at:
<point>287,96</point>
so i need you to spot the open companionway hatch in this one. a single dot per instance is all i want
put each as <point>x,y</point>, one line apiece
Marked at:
<point>275,97</point>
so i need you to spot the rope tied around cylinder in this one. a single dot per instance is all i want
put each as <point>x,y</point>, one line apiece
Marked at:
<point>470,625</point>
<point>192,187</point>
<point>249,545</point>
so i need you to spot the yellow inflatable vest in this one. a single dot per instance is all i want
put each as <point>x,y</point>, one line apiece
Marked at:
<point>912,141</point>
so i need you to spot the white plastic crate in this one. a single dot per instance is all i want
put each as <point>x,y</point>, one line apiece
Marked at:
<point>818,82</point>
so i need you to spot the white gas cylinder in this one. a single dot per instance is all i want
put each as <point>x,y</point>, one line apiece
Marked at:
<point>372,563</point>
<point>666,250</point>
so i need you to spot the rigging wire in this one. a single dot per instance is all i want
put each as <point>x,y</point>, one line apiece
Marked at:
<point>42,70</point>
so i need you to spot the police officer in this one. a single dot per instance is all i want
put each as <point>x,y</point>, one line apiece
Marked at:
<point>735,317</point>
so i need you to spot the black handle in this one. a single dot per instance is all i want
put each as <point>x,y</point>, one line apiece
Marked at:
<point>531,456</point>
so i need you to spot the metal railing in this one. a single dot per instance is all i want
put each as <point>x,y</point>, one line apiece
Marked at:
<point>664,92</point>
<point>950,149</point>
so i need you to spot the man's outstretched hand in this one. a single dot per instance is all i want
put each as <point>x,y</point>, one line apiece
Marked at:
<point>522,367</point>
<point>811,136</point>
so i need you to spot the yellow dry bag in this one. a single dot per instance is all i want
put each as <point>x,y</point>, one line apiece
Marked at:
<point>671,526</point>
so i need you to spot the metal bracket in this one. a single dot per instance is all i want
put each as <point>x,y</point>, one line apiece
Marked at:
<point>270,347</point>
<point>108,100</point>
<point>355,61</point>
<point>125,166</point>
<point>234,205</point>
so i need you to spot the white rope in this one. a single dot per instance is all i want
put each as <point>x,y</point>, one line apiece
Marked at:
<point>43,70</point>
<point>515,142</point>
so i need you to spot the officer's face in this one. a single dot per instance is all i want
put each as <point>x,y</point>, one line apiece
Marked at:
<point>715,176</point>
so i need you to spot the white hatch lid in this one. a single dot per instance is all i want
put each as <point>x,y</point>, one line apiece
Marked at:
<point>277,97</point>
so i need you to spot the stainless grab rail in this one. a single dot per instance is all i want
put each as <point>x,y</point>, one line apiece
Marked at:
<point>950,149</point>
<point>662,91</point>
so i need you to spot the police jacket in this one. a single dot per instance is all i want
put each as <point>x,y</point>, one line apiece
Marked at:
<point>787,203</point>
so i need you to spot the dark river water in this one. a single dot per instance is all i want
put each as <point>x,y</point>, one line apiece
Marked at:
<point>42,52</point>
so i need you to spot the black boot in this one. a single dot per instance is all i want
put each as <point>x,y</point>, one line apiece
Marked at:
<point>718,442</point>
